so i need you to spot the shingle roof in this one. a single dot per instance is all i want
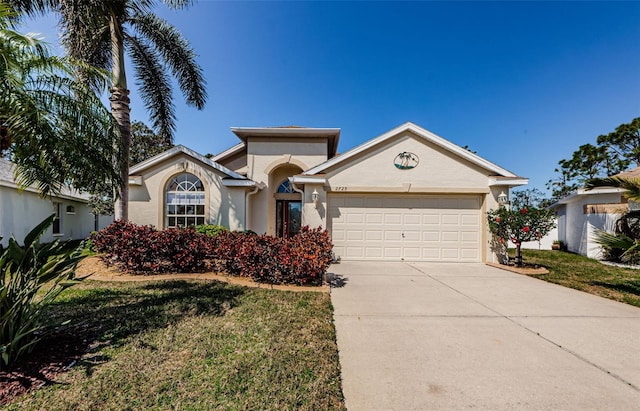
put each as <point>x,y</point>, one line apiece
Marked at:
<point>7,170</point>
<point>633,173</point>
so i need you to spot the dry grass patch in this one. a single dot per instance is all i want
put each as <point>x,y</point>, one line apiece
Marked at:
<point>195,345</point>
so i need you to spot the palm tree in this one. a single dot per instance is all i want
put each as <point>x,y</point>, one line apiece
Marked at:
<point>624,243</point>
<point>53,127</point>
<point>99,32</point>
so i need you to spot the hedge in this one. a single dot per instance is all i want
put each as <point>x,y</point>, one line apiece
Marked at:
<point>301,259</point>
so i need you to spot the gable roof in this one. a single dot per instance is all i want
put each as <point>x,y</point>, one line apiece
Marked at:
<point>238,148</point>
<point>182,149</point>
<point>7,179</point>
<point>633,173</point>
<point>424,134</point>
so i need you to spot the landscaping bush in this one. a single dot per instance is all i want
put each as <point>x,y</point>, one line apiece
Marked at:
<point>24,271</point>
<point>302,259</point>
<point>306,256</point>
<point>211,229</point>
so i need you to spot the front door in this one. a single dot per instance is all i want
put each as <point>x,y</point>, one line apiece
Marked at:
<point>288,217</point>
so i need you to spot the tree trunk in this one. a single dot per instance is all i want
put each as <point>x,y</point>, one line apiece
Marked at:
<point>518,259</point>
<point>122,113</point>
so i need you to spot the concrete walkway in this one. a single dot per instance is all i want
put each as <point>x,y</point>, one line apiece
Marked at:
<point>420,336</point>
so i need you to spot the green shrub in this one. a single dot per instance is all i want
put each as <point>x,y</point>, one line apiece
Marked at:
<point>24,270</point>
<point>211,229</point>
<point>618,247</point>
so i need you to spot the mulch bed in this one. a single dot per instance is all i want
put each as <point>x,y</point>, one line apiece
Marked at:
<point>525,269</point>
<point>53,356</point>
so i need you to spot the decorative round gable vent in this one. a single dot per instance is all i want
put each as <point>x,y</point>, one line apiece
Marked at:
<point>406,161</point>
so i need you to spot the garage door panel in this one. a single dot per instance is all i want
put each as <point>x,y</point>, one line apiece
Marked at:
<point>374,218</point>
<point>411,236</point>
<point>374,252</point>
<point>469,220</point>
<point>430,236</point>
<point>373,235</point>
<point>411,219</point>
<point>393,235</point>
<point>430,219</point>
<point>425,228</point>
<point>451,219</point>
<point>450,253</point>
<point>393,218</point>
<point>470,237</point>
<point>450,236</point>
<point>411,253</point>
<point>355,218</point>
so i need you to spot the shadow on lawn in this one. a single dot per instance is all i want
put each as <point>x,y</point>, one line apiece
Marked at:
<point>630,287</point>
<point>105,316</point>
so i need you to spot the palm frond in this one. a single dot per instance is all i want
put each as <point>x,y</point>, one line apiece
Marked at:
<point>609,240</point>
<point>155,87</point>
<point>177,53</point>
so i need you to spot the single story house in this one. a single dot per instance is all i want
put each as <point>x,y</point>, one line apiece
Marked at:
<point>583,212</point>
<point>407,194</point>
<point>22,210</point>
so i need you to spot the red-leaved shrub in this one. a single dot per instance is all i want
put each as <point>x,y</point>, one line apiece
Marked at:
<point>301,259</point>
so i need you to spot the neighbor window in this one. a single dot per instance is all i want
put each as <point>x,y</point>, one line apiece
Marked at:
<point>185,201</point>
<point>57,222</point>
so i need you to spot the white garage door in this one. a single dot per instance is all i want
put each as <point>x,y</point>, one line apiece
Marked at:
<point>410,228</point>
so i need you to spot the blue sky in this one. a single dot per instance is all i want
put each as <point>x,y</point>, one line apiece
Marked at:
<point>521,83</point>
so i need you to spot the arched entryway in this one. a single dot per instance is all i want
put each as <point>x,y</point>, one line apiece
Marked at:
<point>288,210</point>
<point>287,202</point>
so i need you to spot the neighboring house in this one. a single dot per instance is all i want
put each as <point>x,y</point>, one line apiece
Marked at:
<point>545,243</point>
<point>583,212</point>
<point>22,210</point>
<point>407,194</point>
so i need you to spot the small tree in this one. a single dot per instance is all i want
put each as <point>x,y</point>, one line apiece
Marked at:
<point>519,226</point>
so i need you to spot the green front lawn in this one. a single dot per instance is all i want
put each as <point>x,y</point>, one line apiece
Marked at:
<point>582,273</point>
<point>195,345</point>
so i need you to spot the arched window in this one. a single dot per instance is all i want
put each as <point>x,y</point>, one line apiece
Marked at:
<point>185,201</point>
<point>285,187</point>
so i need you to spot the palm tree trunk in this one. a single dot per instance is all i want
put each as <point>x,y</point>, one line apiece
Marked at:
<point>122,113</point>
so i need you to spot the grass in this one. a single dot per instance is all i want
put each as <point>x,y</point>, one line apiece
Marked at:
<point>190,345</point>
<point>582,273</point>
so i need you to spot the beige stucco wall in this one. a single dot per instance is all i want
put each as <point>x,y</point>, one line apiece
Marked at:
<point>20,212</point>
<point>438,172</point>
<point>237,162</point>
<point>224,205</point>
<point>437,168</point>
<point>270,161</point>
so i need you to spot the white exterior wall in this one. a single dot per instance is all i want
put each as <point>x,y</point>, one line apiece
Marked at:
<point>20,212</point>
<point>578,228</point>
<point>545,242</point>
<point>224,205</point>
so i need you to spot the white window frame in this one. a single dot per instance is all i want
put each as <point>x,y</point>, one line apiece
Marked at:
<point>56,227</point>
<point>186,205</point>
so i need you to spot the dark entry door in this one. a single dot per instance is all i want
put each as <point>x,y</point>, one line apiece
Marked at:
<point>288,217</point>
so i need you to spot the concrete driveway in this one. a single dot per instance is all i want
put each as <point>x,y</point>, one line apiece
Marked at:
<point>425,336</point>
